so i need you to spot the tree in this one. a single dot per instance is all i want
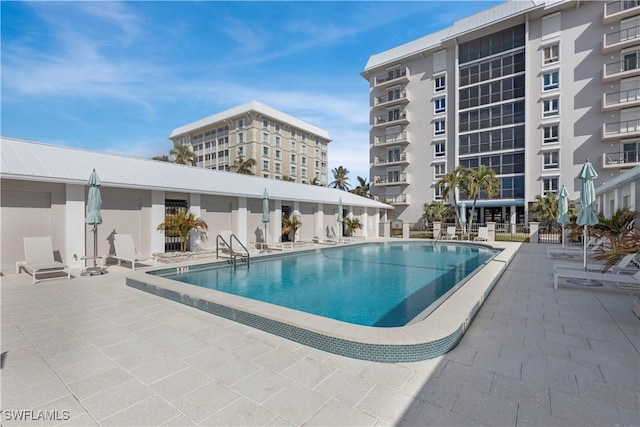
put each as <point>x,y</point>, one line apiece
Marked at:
<point>288,178</point>
<point>436,211</point>
<point>243,167</point>
<point>291,226</point>
<point>362,189</point>
<point>315,181</point>
<point>451,183</point>
<point>180,225</point>
<point>482,180</point>
<point>182,154</point>
<point>161,158</point>
<point>340,178</point>
<point>545,208</point>
<point>352,224</point>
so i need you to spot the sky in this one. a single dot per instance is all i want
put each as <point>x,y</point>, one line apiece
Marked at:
<point>120,76</point>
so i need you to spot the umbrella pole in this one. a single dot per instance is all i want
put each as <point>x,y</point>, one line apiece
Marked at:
<point>584,244</point>
<point>562,237</point>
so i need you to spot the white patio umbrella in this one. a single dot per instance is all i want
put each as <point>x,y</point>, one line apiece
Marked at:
<point>563,210</point>
<point>94,217</point>
<point>265,215</point>
<point>340,219</point>
<point>463,216</point>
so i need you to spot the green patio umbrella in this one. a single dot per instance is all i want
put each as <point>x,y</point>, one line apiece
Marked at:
<point>587,215</point>
<point>265,214</point>
<point>94,217</point>
<point>563,210</point>
<point>340,219</point>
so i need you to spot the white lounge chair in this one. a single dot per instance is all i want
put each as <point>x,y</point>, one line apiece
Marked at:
<point>451,233</point>
<point>627,264</point>
<point>126,251</point>
<point>623,281</point>
<point>594,246</point>
<point>38,254</point>
<point>483,234</point>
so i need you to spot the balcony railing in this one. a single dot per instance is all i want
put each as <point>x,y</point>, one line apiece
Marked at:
<point>391,139</point>
<point>619,6</point>
<point>396,158</point>
<point>629,64</point>
<point>400,199</point>
<point>385,118</point>
<point>391,75</point>
<point>391,97</point>
<point>623,159</point>
<point>385,179</point>
<point>622,36</point>
<point>625,96</point>
<point>626,127</point>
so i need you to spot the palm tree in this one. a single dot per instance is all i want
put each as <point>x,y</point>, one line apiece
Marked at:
<point>545,208</point>
<point>315,181</point>
<point>180,225</point>
<point>436,211</point>
<point>161,158</point>
<point>450,183</point>
<point>182,154</point>
<point>243,167</point>
<point>340,178</point>
<point>288,178</point>
<point>352,224</point>
<point>482,180</point>
<point>291,226</point>
<point>362,189</point>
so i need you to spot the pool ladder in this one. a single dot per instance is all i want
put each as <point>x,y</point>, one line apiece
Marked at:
<point>234,255</point>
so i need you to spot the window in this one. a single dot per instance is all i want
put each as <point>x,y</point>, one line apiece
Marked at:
<point>550,134</point>
<point>293,158</point>
<point>265,123</point>
<point>278,142</point>
<point>551,80</point>
<point>240,123</point>
<point>550,160</point>
<point>265,151</point>
<point>293,133</point>
<point>550,107</point>
<point>240,152</point>
<point>630,60</point>
<point>265,138</point>
<point>439,127</point>
<point>294,171</point>
<point>631,152</point>
<point>304,149</point>
<point>303,161</point>
<point>438,191</point>
<point>266,175</point>
<point>438,170</point>
<point>277,127</point>
<point>278,168</point>
<point>265,165</point>
<point>277,154</point>
<point>550,54</point>
<point>439,149</point>
<point>241,138</point>
<point>440,105</point>
<point>439,83</point>
<point>293,146</point>
<point>303,173</point>
<point>550,185</point>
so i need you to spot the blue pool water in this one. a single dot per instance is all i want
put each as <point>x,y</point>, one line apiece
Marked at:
<point>382,285</point>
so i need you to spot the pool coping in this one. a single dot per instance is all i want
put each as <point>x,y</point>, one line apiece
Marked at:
<point>435,335</point>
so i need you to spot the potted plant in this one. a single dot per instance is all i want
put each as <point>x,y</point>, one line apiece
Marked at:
<point>352,224</point>
<point>180,225</point>
<point>291,225</point>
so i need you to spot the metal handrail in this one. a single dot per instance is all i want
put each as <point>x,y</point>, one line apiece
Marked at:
<point>233,254</point>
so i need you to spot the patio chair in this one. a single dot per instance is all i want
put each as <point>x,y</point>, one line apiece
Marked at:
<point>594,246</point>
<point>626,264</point>
<point>483,234</point>
<point>126,251</point>
<point>38,254</point>
<point>451,233</point>
<point>623,281</point>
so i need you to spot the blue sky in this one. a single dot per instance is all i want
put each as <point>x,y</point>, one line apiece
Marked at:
<point>120,76</point>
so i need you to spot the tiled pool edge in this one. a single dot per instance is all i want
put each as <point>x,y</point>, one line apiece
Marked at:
<point>379,351</point>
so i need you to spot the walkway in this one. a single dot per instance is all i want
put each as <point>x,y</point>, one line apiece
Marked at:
<point>96,352</point>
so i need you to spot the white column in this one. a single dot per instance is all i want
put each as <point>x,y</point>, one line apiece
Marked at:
<point>513,218</point>
<point>319,221</point>
<point>296,212</point>
<point>365,223</point>
<point>157,217</point>
<point>75,227</point>
<point>276,218</point>
<point>195,236</point>
<point>239,221</point>
<point>634,195</point>
<point>616,201</point>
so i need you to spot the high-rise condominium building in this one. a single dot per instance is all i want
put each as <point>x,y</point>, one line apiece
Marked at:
<point>282,145</point>
<point>531,89</point>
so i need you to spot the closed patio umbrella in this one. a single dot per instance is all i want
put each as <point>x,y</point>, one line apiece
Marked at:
<point>463,216</point>
<point>563,210</point>
<point>94,217</point>
<point>265,215</point>
<point>587,215</point>
<point>340,219</point>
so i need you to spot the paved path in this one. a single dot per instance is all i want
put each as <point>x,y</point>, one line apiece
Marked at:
<point>100,353</point>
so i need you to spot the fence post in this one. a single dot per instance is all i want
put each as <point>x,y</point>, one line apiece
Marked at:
<point>491,228</point>
<point>437,226</point>
<point>405,229</point>
<point>387,229</point>
<point>534,235</point>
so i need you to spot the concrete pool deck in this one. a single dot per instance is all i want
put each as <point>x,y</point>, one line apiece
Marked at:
<point>108,354</point>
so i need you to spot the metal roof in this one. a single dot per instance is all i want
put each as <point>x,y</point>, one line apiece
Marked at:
<point>245,108</point>
<point>32,161</point>
<point>461,26</point>
<point>628,176</point>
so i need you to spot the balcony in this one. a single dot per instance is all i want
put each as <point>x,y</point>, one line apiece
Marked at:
<point>396,75</point>
<point>396,138</point>
<point>628,67</point>
<point>392,119</point>
<point>620,9</point>
<point>391,160</point>
<point>400,199</point>
<point>625,159</point>
<point>620,39</point>
<point>390,179</point>
<point>626,129</point>
<point>390,98</point>
<point>619,100</point>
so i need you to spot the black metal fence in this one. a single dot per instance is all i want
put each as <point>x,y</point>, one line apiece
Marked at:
<point>550,234</point>
<point>172,207</point>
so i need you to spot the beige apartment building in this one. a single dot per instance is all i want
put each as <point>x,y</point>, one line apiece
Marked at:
<point>531,89</point>
<point>283,146</point>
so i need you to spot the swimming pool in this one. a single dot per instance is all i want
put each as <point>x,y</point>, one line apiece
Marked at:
<point>425,337</point>
<point>381,285</point>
